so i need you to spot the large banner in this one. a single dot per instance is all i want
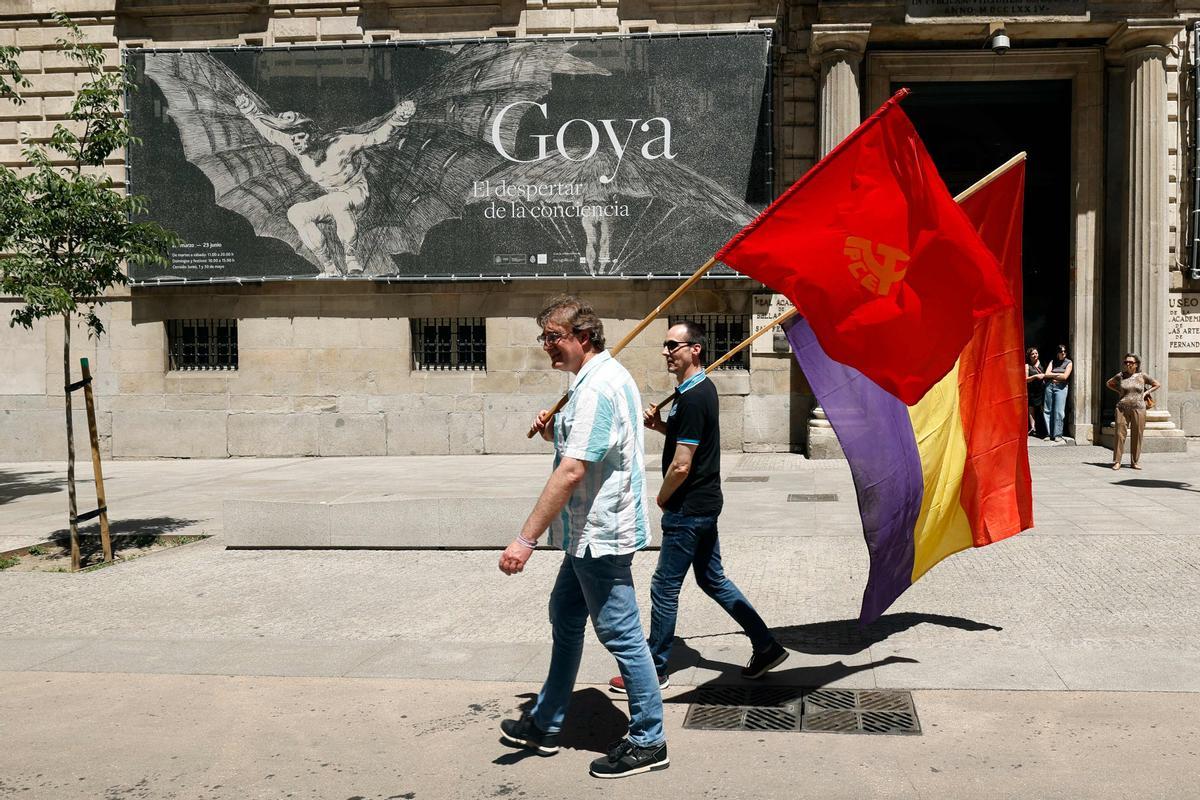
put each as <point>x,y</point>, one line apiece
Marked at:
<point>608,156</point>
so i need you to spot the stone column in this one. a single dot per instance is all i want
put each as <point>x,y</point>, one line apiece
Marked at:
<point>836,53</point>
<point>1142,46</point>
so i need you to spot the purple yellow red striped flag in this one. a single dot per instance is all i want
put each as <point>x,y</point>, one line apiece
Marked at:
<point>951,471</point>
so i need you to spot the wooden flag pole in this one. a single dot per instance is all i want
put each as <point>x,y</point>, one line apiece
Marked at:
<point>782,318</point>
<point>629,337</point>
<point>991,176</point>
<point>972,189</point>
<point>641,326</point>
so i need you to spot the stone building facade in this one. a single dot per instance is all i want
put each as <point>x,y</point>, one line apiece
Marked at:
<point>326,368</point>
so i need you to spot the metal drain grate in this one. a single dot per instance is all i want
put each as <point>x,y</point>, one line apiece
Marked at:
<point>745,708</point>
<point>812,498</point>
<point>860,711</point>
<point>748,479</point>
<point>791,708</point>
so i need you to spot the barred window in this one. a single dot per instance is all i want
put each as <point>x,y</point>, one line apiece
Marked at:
<point>194,344</point>
<point>445,343</point>
<point>723,332</point>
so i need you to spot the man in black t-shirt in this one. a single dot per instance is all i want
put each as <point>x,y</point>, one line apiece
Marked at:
<point>691,501</point>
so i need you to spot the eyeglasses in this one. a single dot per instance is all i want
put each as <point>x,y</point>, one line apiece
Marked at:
<point>1131,362</point>
<point>670,345</point>
<point>553,337</point>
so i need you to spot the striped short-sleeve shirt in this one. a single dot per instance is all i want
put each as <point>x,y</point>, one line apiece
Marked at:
<point>601,425</point>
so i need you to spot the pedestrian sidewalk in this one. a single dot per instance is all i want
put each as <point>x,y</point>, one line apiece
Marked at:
<point>1070,650</point>
<point>1099,595</point>
<point>480,501</point>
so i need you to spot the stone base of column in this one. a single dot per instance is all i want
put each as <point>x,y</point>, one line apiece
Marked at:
<point>1161,435</point>
<point>822,441</point>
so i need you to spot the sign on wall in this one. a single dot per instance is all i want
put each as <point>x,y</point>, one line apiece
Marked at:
<point>610,156</point>
<point>1183,323</point>
<point>1000,9</point>
<point>768,307</point>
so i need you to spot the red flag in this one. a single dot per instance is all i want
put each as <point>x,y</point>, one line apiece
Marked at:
<point>875,253</point>
<point>997,492</point>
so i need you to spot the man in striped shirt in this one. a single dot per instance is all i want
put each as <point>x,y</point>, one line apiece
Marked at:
<point>595,501</point>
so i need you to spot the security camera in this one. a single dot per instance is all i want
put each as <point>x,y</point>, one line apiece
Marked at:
<point>998,40</point>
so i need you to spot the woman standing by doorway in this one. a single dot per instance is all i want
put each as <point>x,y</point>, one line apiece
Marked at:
<point>1035,384</point>
<point>1054,404</point>
<point>1133,387</point>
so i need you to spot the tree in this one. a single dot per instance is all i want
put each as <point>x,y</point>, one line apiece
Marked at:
<point>64,229</point>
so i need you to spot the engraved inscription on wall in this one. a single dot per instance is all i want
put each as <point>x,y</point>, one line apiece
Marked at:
<point>996,8</point>
<point>1183,322</point>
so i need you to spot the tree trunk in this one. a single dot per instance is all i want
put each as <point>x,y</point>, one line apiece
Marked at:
<point>73,506</point>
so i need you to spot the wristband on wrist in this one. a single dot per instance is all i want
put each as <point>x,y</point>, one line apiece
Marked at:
<point>532,545</point>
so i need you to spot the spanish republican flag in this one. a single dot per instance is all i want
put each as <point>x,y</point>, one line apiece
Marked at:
<point>879,259</point>
<point>952,470</point>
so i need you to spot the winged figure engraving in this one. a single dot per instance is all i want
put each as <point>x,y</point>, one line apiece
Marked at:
<point>350,199</point>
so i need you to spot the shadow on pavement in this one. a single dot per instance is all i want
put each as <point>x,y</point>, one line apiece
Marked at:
<point>846,636</point>
<point>15,484</point>
<point>842,636</point>
<point>126,534</point>
<point>593,723</point>
<point>809,677</point>
<point>1151,483</point>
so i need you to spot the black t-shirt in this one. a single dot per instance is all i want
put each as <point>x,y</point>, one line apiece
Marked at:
<point>694,419</point>
<point>1036,389</point>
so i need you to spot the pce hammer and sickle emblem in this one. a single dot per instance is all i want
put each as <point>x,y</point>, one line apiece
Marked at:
<point>877,267</point>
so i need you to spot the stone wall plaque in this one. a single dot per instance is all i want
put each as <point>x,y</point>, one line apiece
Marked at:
<point>1183,323</point>
<point>999,9</point>
<point>766,308</point>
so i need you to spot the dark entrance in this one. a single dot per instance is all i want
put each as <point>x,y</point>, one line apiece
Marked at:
<point>970,129</point>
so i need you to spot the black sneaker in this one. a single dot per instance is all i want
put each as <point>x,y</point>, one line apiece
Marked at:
<point>617,684</point>
<point>626,759</point>
<point>524,733</point>
<point>764,661</point>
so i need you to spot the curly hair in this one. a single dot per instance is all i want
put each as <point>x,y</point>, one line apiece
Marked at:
<point>571,312</point>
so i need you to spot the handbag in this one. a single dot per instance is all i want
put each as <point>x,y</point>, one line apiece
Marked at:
<point>1149,401</point>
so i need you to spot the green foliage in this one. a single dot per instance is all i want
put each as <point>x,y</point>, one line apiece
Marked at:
<point>67,231</point>
<point>9,561</point>
<point>11,77</point>
<point>37,550</point>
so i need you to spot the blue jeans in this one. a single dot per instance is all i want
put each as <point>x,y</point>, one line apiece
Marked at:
<point>1054,408</point>
<point>600,587</point>
<point>692,542</point>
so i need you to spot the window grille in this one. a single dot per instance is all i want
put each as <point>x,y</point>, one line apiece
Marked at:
<point>195,344</point>
<point>723,332</point>
<point>445,343</point>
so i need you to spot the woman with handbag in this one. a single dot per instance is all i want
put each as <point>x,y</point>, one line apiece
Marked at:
<point>1133,388</point>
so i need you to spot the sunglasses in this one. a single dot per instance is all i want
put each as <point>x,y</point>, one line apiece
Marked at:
<point>553,337</point>
<point>1132,362</point>
<point>670,345</point>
